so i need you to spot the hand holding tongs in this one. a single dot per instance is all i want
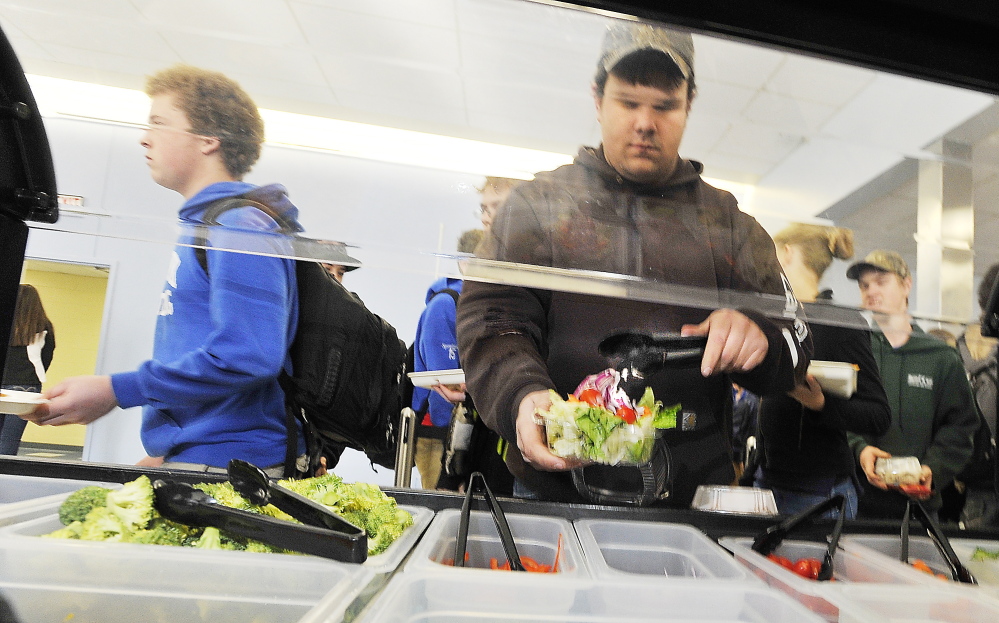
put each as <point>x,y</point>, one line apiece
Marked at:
<point>958,571</point>
<point>638,356</point>
<point>766,542</point>
<point>506,537</point>
<point>322,532</point>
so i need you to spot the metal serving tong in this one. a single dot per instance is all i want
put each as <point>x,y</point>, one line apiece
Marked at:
<point>321,533</point>
<point>638,356</point>
<point>478,482</point>
<point>766,542</point>
<point>958,571</point>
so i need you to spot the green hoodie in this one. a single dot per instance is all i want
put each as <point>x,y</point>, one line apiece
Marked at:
<point>933,416</point>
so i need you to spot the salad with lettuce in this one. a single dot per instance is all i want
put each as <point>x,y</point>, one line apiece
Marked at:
<point>600,423</point>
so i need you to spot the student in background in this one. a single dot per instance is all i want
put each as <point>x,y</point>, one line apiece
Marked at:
<point>804,456</point>
<point>210,393</point>
<point>978,353</point>
<point>436,348</point>
<point>932,408</point>
<point>32,342</point>
<point>493,193</point>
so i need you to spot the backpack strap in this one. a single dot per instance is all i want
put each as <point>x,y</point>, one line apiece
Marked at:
<point>214,209</point>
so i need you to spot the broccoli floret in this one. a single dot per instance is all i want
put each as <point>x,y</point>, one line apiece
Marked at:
<point>211,538</point>
<point>103,525</point>
<point>225,495</point>
<point>133,503</point>
<point>313,488</point>
<point>72,531</point>
<point>162,531</point>
<point>384,525</point>
<point>80,502</point>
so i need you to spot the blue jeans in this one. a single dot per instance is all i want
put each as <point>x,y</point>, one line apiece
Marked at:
<point>11,426</point>
<point>793,502</point>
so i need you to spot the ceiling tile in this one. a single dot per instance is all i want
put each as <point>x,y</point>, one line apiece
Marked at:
<point>721,100</point>
<point>439,13</point>
<point>522,100</point>
<point>904,114</point>
<point>243,20</point>
<point>117,9</point>
<point>338,33</point>
<point>517,21</point>
<point>404,108</point>
<point>361,75</point>
<point>757,141</point>
<point>702,134</point>
<point>27,48</point>
<point>787,114</point>
<point>566,134</point>
<point>121,63</point>
<point>718,60</point>
<point>492,57</point>
<point>816,80</point>
<point>113,36</point>
<point>749,168</point>
<point>226,55</point>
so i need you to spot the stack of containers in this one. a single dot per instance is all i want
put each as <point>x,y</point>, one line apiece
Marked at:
<point>106,582</point>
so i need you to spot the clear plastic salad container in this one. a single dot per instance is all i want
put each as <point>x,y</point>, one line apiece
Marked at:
<point>600,423</point>
<point>899,470</point>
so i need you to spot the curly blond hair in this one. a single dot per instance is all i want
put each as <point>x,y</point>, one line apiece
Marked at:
<point>218,107</point>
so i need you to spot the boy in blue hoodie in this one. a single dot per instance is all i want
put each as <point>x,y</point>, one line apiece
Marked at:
<point>210,392</point>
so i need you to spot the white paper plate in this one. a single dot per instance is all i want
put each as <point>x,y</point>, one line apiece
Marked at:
<point>19,403</point>
<point>435,377</point>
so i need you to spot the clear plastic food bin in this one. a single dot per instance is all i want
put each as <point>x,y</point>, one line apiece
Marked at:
<point>619,549</point>
<point>872,604</point>
<point>848,567</point>
<point>450,598</point>
<point>387,561</point>
<point>78,582</point>
<point>535,536</point>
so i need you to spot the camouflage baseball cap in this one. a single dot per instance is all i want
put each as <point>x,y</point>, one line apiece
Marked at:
<point>880,260</point>
<point>625,38</point>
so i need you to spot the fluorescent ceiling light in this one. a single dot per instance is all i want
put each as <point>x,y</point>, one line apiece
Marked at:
<point>67,98</point>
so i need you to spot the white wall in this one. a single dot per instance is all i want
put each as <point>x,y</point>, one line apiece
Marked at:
<point>397,216</point>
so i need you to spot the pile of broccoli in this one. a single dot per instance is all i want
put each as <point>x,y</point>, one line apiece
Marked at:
<point>127,515</point>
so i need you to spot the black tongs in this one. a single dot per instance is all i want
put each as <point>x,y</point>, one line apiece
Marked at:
<point>638,356</point>
<point>958,571</point>
<point>766,542</point>
<point>477,482</point>
<point>321,533</point>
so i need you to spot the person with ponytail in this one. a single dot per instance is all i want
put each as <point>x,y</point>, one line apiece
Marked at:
<point>804,455</point>
<point>32,342</point>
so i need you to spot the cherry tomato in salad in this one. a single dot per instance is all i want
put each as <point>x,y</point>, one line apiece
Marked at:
<point>591,397</point>
<point>627,414</point>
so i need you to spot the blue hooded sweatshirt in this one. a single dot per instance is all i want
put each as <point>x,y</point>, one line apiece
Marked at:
<point>436,347</point>
<point>210,391</point>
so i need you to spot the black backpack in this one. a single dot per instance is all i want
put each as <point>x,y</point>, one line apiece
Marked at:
<point>348,364</point>
<point>983,468</point>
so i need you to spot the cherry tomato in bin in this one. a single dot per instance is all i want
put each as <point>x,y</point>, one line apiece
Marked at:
<point>808,568</point>
<point>627,414</point>
<point>591,397</point>
<point>782,561</point>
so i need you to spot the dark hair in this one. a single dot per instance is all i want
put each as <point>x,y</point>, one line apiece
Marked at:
<point>29,316</point>
<point>217,107</point>
<point>985,287</point>
<point>469,240</point>
<point>650,68</point>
